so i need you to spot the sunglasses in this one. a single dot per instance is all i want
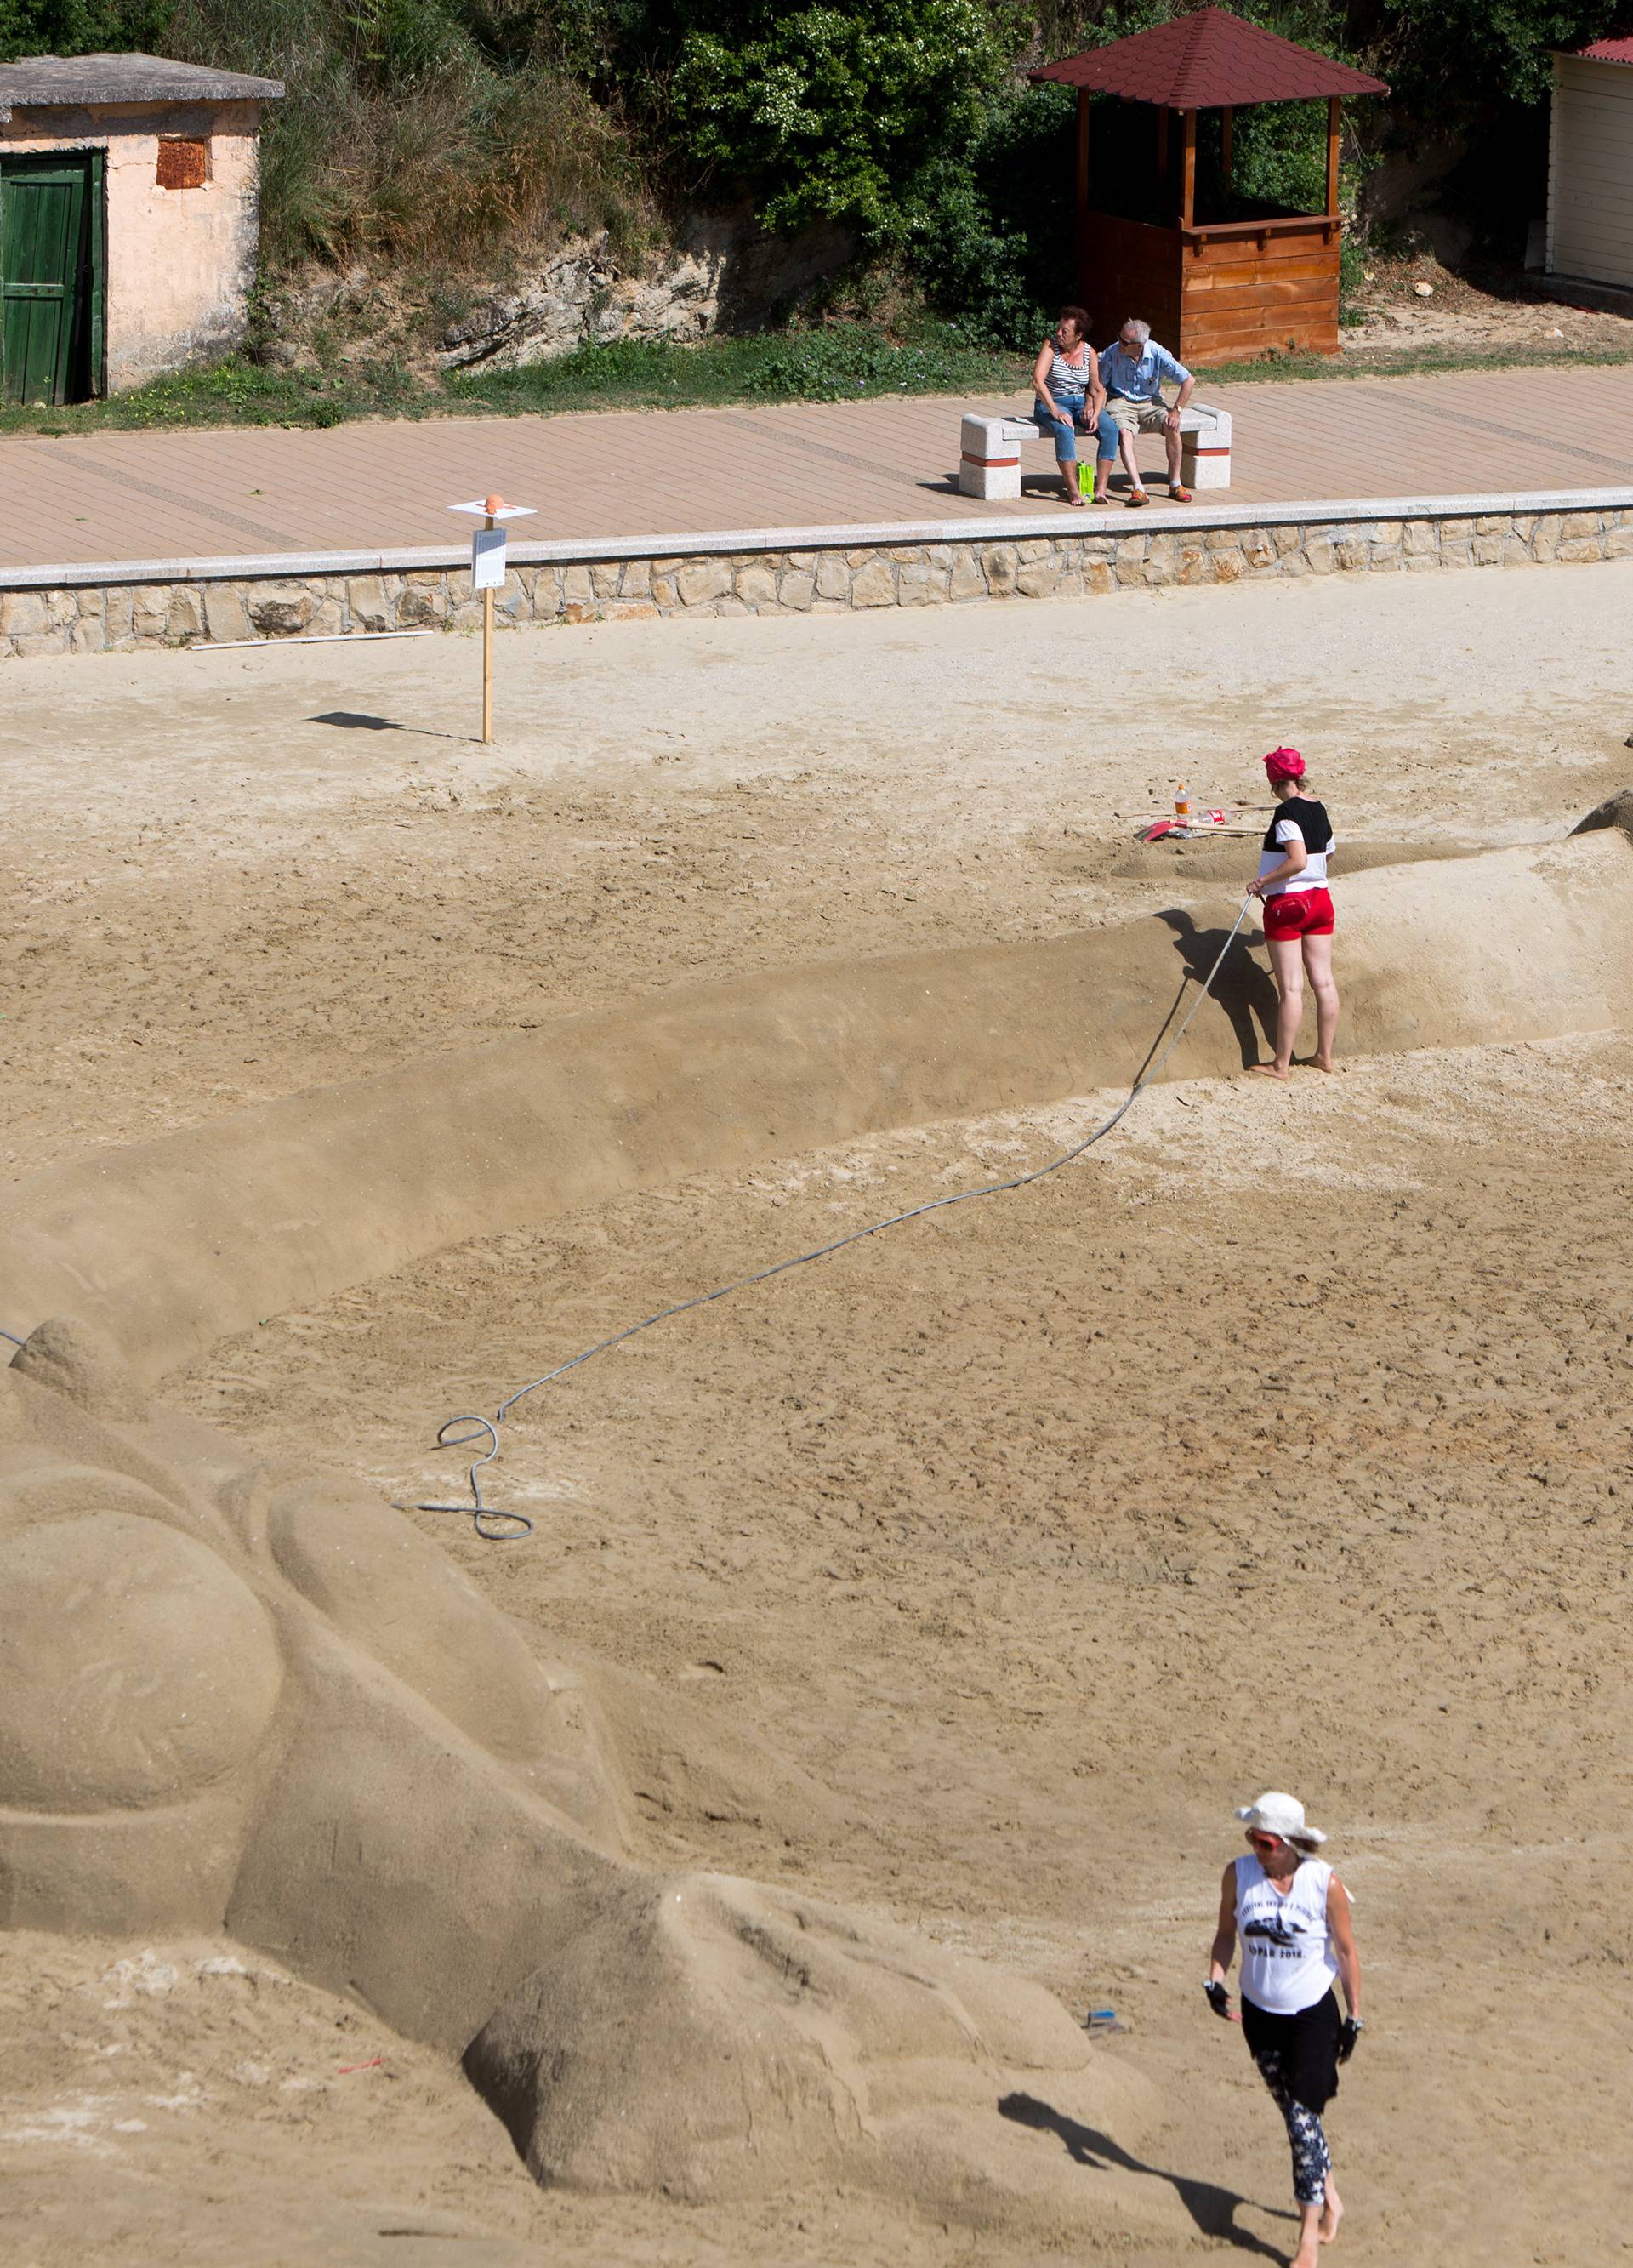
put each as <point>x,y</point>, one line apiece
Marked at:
<point>1264,1842</point>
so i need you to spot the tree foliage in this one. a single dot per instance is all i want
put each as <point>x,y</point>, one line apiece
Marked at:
<point>79,28</point>
<point>839,111</point>
<point>1475,52</point>
<point>414,127</point>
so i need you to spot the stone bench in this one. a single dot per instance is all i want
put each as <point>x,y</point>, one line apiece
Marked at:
<point>989,450</point>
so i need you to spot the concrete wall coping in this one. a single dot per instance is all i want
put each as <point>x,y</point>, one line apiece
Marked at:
<point>278,566</point>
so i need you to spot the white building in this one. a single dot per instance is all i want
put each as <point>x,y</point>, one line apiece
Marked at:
<point>127,219</point>
<point>1590,166</point>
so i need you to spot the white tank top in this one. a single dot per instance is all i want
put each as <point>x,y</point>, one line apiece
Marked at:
<point>1287,1958</point>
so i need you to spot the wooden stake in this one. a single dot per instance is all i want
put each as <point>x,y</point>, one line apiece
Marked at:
<point>1187,171</point>
<point>487,661</point>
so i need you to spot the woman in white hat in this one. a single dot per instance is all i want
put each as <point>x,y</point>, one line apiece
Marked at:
<point>1293,1914</point>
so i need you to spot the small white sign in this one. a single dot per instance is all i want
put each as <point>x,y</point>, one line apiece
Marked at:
<point>478,506</point>
<point>487,559</point>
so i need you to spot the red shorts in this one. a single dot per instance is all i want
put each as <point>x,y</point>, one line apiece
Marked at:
<point>1299,913</point>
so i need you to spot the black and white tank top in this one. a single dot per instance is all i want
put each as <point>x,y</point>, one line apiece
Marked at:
<point>1301,815</point>
<point>1287,1956</point>
<point>1071,377</point>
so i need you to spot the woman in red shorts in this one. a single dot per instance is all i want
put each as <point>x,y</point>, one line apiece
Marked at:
<point>1298,912</point>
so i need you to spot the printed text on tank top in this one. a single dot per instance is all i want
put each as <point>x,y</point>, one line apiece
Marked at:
<point>1287,1956</point>
<point>1303,818</point>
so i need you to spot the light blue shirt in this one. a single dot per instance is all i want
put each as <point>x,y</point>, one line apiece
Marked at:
<point>1141,381</point>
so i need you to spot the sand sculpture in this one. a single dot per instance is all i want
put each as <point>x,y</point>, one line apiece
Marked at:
<point>245,1699</point>
<point>248,1698</point>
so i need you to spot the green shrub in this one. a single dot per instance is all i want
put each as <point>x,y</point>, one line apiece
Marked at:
<point>79,28</point>
<point>843,360</point>
<point>838,111</point>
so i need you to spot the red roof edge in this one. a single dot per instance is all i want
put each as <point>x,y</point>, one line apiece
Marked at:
<point>1605,51</point>
<point>1205,60</point>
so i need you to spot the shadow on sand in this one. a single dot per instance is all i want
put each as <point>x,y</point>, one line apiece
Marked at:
<point>1244,989</point>
<point>355,720</point>
<point>1212,2208</point>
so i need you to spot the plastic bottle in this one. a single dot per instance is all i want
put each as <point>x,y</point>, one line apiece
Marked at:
<point>1183,805</point>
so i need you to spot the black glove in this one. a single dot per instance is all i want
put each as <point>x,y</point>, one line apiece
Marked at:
<point>1218,1999</point>
<point>1348,2032</point>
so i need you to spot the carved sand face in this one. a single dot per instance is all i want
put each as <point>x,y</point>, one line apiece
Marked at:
<point>243,1698</point>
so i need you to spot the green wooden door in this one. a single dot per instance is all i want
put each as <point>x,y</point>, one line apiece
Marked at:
<point>50,284</point>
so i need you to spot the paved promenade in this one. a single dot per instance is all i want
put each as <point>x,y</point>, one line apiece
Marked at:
<point>229,492</point>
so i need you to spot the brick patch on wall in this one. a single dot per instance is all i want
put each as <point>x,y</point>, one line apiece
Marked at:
<point>109,616</point>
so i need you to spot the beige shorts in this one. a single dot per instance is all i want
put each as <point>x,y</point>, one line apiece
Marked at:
<point>1136,416</point>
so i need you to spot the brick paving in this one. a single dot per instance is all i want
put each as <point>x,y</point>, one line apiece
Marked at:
<point>236,491</point>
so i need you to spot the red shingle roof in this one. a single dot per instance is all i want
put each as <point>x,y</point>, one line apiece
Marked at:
<point>1608,51</point>
<point>1206,59</point>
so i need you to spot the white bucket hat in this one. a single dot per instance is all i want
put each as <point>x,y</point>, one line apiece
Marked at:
<point>1275,1813</point>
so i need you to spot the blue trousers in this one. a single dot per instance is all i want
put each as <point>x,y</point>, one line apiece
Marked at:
<point>1065,429</point>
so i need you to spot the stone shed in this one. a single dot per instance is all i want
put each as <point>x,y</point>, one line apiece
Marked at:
<point>127,219</point>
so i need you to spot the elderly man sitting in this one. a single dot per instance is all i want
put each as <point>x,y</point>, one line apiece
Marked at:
<point>1132,373</point>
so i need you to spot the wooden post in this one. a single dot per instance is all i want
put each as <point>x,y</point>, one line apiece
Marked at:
<point>1188,174</point>
<point>1332,134</point>
<point>1227,159</point>
<point>487,659</point>
<point>1083,192</point>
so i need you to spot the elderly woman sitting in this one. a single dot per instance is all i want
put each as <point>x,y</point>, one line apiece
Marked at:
<point>1066,379</point>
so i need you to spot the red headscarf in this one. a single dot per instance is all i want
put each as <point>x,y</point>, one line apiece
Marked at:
<point>1284,763</point>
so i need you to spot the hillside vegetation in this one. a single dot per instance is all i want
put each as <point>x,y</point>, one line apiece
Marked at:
<point>445,143</point>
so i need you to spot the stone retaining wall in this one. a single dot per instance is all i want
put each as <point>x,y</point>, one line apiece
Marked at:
<point>68,616</point>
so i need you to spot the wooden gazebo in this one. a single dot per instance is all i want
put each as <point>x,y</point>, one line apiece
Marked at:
<point>1219,278</point>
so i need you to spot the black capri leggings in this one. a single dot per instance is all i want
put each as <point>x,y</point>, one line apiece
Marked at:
<point>1297,2058</point>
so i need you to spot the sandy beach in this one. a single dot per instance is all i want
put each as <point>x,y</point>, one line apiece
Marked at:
<point>976,1573</point>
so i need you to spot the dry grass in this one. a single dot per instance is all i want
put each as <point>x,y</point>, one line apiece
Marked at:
<point>446,155</point>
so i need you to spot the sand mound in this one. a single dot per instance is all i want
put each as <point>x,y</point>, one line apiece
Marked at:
<point>1616,811</point>
<point>691,2036</point>
<point>172,1244</point>
<point>241,1698</point>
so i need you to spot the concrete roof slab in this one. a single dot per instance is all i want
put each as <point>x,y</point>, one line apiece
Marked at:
<point>42,82</point>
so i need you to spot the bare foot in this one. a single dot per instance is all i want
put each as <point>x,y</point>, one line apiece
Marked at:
<point>1305,2255</point>
<point>1322,1062</point>
<point>1266,1071</point>
<point>1332,2213</point>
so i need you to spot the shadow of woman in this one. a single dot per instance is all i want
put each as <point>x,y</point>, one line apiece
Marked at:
<point>1244,989</point>
<point>1212,2208</point>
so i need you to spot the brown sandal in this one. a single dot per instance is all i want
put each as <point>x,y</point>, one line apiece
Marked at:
<point>1138,498</point>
